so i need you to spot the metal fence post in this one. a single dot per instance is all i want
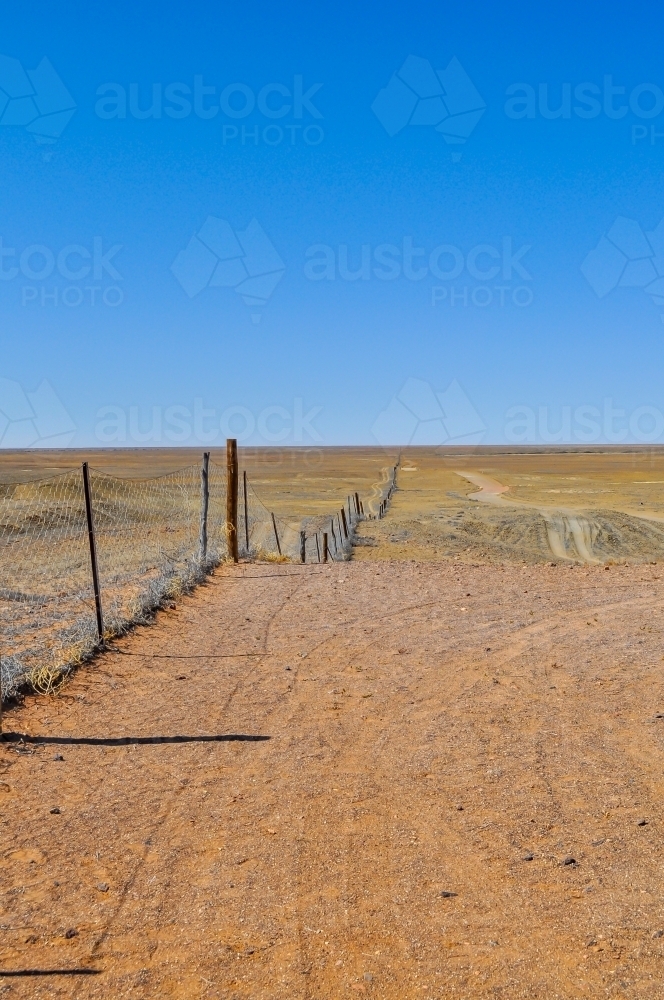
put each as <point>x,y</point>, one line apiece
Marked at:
<point>231,498</point>
<point>205,502</point>
<point>93,552</point>
<point>276,534</point>
<point>246,510</point>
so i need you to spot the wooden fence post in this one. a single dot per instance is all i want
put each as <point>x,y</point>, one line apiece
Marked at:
<point>93,552</point>
<point>317,547</point>
<point>303,546</point>
<point>357,504</point>
<point>246,511</point>
<point>325,546</point>
<point>276,533</point>
<point>231,498</point>
<point>205,501</point>
<point>343,520</point>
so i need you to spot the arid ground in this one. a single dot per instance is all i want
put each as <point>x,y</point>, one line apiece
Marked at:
<point>585,506</point>
<point>434,771</point>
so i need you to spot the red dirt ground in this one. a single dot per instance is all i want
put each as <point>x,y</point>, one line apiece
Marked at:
<point>424,728</point>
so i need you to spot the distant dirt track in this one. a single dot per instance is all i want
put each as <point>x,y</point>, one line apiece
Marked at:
<point>406,736</point>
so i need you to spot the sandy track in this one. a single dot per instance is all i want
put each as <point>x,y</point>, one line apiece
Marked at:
<point>298,841</point>
<point>569,533</point>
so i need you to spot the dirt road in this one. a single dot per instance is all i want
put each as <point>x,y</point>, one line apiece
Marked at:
<point>569,533</point>
<point>360,779</point>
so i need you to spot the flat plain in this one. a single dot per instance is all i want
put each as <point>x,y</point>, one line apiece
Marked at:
<point>432,771</point>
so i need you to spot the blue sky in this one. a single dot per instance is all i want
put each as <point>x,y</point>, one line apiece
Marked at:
<point>165,312</point>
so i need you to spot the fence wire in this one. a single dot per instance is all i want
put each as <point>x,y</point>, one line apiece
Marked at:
<point>274,536</point>
<point>147,536</point>
<point>148,541</point>
<point>46,598</point>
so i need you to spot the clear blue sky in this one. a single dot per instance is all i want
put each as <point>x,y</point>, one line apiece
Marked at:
<point>284,138</point>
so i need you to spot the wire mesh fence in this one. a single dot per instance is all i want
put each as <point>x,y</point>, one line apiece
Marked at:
<point>294,538</point>
<point>154,539</point>
<point>147,536</point>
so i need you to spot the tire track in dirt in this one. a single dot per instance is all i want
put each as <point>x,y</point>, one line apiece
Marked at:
<point>569,533</point>
<point>162,821</point>
<point>297,867</point>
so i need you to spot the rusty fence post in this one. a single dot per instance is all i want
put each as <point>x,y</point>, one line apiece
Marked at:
<point>231,498</point>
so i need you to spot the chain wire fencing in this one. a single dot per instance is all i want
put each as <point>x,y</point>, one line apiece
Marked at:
<point>287,538</point>
<point>148,550</point>
<point>147,535</point>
